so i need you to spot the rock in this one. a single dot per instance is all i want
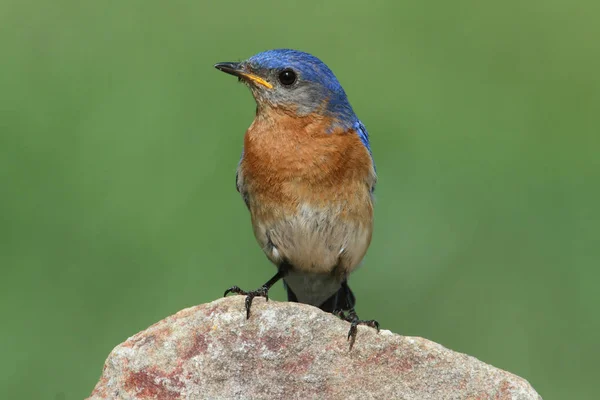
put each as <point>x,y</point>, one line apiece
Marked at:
<point>290,351</point>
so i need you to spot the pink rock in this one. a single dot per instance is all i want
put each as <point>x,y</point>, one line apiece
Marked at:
<point>290,351</point>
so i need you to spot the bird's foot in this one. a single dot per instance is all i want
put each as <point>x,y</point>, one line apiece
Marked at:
<point>263,291</point>
<point>354,322</point>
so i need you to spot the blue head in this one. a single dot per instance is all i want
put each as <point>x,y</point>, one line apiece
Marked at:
<point>295,82</point>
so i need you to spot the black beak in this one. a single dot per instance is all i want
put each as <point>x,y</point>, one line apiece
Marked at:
<point>241,71</point>
<point>231,68</point>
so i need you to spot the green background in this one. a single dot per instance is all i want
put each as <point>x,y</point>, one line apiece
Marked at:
<point>119,143</point>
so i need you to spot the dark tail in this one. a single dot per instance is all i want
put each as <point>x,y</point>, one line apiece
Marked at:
<point>342,300</point>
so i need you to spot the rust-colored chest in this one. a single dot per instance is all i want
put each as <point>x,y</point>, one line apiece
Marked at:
<point>290,160</point>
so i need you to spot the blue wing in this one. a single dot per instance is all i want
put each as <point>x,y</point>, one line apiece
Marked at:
<point>363,134</point>
<point>364,138</point>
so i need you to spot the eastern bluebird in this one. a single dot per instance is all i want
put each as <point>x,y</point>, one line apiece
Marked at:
<point>307,177</point>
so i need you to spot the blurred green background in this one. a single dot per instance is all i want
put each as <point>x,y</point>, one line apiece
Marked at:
<point>119,143</point>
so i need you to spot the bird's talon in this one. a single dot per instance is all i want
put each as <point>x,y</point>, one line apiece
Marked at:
<point>352,331</point>
<point>234,289</point>
<point>354,322</point>
<point>376,326</point>
<point>250,295</point>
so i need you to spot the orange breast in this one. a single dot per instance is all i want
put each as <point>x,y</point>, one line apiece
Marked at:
<point>292,160</point>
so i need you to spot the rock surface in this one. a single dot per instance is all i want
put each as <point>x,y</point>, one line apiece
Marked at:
<point>290,351</point>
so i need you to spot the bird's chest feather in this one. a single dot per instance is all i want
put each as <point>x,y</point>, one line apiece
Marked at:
<point>308,191</point>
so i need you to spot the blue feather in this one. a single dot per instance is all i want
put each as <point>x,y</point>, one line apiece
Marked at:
<point>362,134</point>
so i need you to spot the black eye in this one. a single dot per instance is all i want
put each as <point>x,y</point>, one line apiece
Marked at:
<point>287,77</point>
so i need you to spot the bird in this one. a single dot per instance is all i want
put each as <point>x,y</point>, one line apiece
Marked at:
<point>307,177</point>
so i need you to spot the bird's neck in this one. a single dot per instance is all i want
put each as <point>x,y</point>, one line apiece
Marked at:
<point>281,123</point>
<point>324,119</point>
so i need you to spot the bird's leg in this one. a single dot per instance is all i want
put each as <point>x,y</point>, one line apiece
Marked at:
<point>263,291</point>
<point>352,317</point>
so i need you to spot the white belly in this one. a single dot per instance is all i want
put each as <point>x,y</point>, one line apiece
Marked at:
<point>315,242</point>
